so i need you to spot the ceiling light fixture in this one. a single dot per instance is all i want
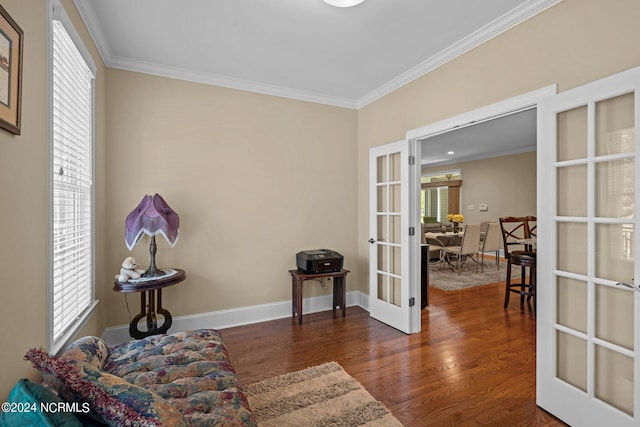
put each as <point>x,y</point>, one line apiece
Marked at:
<point>343,3</point>
<point>449,152</point>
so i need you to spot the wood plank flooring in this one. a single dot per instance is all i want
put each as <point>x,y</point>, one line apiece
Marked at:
<point>472,364</point>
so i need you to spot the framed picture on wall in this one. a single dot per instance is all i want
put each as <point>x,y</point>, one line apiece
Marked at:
<point>11,41</point>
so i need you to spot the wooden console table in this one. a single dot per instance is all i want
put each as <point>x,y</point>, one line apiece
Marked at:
<point>150,303</point>
<point>339,289</point>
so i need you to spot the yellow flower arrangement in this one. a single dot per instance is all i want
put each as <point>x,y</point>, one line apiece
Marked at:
<point>457,218</point>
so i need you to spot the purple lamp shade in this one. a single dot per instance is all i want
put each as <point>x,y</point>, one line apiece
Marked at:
<point>152,216</point>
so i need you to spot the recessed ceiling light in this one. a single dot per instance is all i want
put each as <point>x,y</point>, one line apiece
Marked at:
<point>343,3</point>
<point>449,152</point>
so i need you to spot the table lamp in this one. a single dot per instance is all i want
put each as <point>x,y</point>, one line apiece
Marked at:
<point>152,216</point>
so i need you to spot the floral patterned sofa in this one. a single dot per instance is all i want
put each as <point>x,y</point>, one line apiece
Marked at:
<point>185,378</point>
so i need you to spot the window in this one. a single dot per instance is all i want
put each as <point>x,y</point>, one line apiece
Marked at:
<point>435,201</point>
<point>439,196</point>
<point>71,208</point>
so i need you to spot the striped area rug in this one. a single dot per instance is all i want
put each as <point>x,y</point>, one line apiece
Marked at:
<point>323,395</point>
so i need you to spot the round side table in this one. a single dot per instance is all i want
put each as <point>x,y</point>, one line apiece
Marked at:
<point>150,302</point>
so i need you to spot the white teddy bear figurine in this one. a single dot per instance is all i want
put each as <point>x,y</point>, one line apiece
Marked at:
<point>129,270</point>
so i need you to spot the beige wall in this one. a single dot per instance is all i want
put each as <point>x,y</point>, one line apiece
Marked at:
<point>506,184</point>
<point>254,178</point>
<point>24,185</point>
<point>572,43</point>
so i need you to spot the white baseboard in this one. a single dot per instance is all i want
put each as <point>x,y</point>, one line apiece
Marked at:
<point>241,316</point>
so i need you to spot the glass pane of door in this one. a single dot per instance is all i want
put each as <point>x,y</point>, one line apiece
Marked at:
<point>595,200</point>
<point>389,191</point>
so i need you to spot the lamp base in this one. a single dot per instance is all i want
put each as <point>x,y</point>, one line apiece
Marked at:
<point>152,271</point>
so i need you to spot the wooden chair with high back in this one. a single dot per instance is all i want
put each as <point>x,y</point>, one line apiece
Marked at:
<point>469,247</point>
<point>491,242</point>
<point>532,226</point>
<point>514,230</point>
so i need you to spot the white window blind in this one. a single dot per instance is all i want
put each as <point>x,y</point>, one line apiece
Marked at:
<point>443,203</point>
<point>72,215</point>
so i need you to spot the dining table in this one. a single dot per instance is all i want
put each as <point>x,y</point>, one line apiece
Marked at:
<point>446,238</point>
<point>449,238</point>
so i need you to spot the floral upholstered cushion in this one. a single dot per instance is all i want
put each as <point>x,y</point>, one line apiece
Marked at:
<point>111,400</point>
<point>92,350</point>
<point>191,370</point>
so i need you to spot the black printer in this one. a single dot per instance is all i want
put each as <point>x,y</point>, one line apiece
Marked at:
<point>319,261</point>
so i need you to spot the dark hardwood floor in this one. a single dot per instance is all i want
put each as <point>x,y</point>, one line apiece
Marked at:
<point>472,364</point>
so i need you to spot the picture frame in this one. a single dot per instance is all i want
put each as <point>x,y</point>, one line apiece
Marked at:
<point>11,45</point>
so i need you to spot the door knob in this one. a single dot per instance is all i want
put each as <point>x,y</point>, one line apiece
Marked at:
<point>372,240</point>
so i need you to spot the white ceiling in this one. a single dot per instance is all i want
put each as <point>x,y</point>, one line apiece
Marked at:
<point>301,49</point>
<point>510,134</point>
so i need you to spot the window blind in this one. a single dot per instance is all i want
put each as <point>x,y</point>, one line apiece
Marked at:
<point>72,183</point>
<point>443,203</point>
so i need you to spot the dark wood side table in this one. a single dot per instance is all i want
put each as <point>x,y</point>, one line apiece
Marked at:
<point>151,303</point>
<point>339,289</point>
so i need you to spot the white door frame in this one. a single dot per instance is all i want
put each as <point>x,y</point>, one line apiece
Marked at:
<point>506,107</point>
<point>416,136</point>
<point>483,114</point>
<point>503,108</point>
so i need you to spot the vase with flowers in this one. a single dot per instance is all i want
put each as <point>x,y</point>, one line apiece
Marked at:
<point>456,219</point>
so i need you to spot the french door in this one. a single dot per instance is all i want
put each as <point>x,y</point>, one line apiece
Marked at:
<point>394,264</point>
<point>588,331</point>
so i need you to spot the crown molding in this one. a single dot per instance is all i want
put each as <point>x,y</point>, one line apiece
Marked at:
<point>88,15</point>
<point>228,82</point>
<point>484,34</point>
<point>498,26</point>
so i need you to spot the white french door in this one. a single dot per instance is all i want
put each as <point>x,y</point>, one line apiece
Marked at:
<point>588,331</point>
<point>394,264</point>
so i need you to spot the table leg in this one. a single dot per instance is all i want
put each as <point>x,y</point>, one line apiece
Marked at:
<point>339,293</point>
<point>336,293</point>
<point>150,304</point>
<point>296,298</point>
<point>168,320</point>
<point>133,326</point>
<point>299,291</point>
<point>343,295</point>
<point>152,323</point>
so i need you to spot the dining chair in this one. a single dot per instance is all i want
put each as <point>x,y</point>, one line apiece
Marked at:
<point>468,248</point>
<point>491,243</point>
<point>435,247</point>
<point>484,225</point>
<point>515,229</point>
